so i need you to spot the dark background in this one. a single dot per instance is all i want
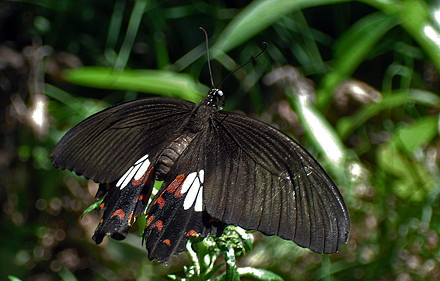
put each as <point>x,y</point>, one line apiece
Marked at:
<point>377,89</point>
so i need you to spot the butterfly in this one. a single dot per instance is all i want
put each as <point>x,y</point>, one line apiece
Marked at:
<point>218,168</point>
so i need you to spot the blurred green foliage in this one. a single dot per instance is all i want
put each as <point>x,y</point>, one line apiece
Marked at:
<point>376,103</point>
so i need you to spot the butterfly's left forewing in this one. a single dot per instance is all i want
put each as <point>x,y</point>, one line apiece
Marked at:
<point>105,145</point>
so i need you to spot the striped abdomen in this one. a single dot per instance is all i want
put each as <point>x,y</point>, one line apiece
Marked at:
<point>170,155</point>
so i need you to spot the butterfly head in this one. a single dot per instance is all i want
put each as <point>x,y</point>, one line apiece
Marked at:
<point>215,98</point>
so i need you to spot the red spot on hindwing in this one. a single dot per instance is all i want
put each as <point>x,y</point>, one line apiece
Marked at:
<point>145,179</point>
<point>160,201</point>
<point>167,241</point>
<point>102,205</point>
<point>192,233</point>
<point>178,192</point>
<point>120,213</point>
<point>149,220</point>
<point>142,197</point>
<point>211,220</point>
<point>175,183</point>
<point>158,224</point>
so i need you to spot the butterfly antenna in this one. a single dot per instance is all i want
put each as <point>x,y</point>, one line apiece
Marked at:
<point>207,54</point>
<point>251,60</point>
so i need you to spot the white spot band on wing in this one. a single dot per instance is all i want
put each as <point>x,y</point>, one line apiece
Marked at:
<point>136,171</point>
<point>195,193</point>
<point>125,179</point>
<point>188,182</point>
<point>142,159</point>
<point>142,169</point>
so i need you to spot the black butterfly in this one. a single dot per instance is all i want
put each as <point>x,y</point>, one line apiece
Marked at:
<point>218,168</point>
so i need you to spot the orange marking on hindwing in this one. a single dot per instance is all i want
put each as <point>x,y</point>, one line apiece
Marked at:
<point>142,197</point>
<point>167,241</point>
<point>149,220</point>
<point>145,179</point>
<point>178,192</point>
<point>158,224</point>
<point>175,183</point>
<point>120,213</point>
<point>192,233</point>
<point>102,205</point>
<point>160,201</point>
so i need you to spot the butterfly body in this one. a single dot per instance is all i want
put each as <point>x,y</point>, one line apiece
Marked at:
<point>217,168</point>
<point>172,153</point>
<point>197,122</point>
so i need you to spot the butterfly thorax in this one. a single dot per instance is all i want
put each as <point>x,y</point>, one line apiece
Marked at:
<point>207,108</point>
<point>197,123</point>
<point>214,99</point>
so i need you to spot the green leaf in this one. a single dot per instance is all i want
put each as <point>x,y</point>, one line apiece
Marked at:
<point>92,207</point>
<point>395,157</point>
<point>259,274</point>
<point>418,133</point>
<point>213,271</point>
<point>231,273</point>
<point>67,275</point>
<point>418,19</point>
<point>258,16</point>
<point>355,43</point>
<point>320,131</point>
<point>130,36</point>
<point>351,49</point>
<point>410,184</point>
<point>13,278</point>
<point>159,82</point>
<point>79,107</point>
<point>245,237</point>
<point>175,277</point>
<point>347,125</point>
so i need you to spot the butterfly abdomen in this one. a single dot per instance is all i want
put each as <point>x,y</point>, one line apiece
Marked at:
<point>171,154</point>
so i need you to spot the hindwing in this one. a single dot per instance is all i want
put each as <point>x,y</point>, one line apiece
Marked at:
<point>124,200</point>
<point>177,212</point>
